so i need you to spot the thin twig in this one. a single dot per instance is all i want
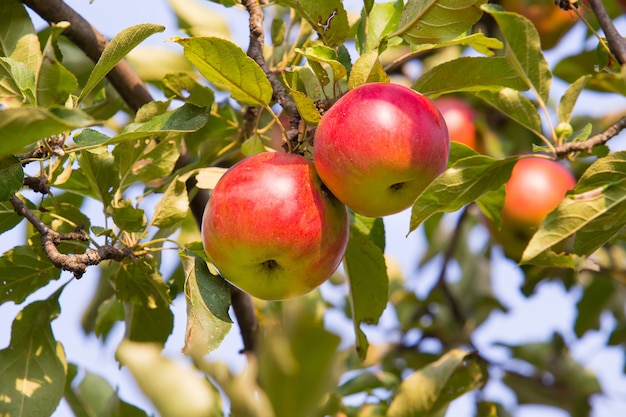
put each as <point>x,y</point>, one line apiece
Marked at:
<point>587,145</point>
<point>127,83</point>
<point>617,44</point>
<point>77,263</point>
<point>255,51</point>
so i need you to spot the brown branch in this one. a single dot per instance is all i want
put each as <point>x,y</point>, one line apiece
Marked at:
<point>587,145</point>
<point>255,51</point>
<point>617,44</point>
<point>127,83</point>
<point>77,263</point>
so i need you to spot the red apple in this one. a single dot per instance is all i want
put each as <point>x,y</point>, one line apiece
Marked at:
<point>535,188</point>
<point>272,229</point>
<point>459,117</point>
<point>379,146</point>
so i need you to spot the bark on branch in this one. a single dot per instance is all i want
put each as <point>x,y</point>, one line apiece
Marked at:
<point>617,43</point>
<point>587,145</point>
<point>50,239</point>
<point>255,51</point>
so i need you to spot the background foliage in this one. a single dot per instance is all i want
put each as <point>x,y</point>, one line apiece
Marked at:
<point>79,130</point>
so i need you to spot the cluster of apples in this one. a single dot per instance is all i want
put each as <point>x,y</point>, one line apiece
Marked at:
<point>276,225</point>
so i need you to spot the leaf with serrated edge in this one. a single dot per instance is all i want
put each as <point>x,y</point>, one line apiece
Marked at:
<point>464,182</point>
<point>208,300</point>
<point>116,50</point>
<point>421,394</point>
<point>18,38</point>
<point>433,21</point>
<point>523,49</point>
<point>469,74</point>
<point>595,210</point>
<point>478,41</point>
<point>173,207</point>
<point>515,105</point>
<point>366,269</point>
<point>227,66</point>
<point>568,101</point>
<point>33,367</point>
<point>307,109</point>
<point>22,271</point>
<point>367,68</point>
<point>11,177</point>
<point>328,18</point>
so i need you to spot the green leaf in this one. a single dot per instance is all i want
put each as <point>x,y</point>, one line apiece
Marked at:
<point>17,82</point>
<point>592,304</point>
<point>90,138</point>
<point>145,324</point>
<point>428,391</point>
<point>197,94</point>
<point>366,69</point>
<point>26,125</point>
<point>307,109</point>
<point>208,300</point>
<point>101,175</point>
<point>110,312</point>
<point>187,118</point>
<point>54,82</point>
<point>328,18</point>
<point>595,211</point>
<point>33,367</point>
<point>228,67</point>
<point>199,19</point>
<point>8,217</point>
<point>516,106</point>
<point>23,271</point>
<point>326,55</point>
<point>434,21</point>
<point>173,207</point>
<point>128,217</point>
<point>95,397</point>
<point>570,69</point>
<point>523,50</point>
<point>208,177</point>
<point>173,389</point>
<point>18,38</point>
<point>464,182</point>
<point>478,41</point>
<point>367,381</point>
<point>11,177</point>
<point>469,74</point>
<point>566,105</point>
<point>252,146</point>
<point>116,50</point>
<point>378,22</point>
<point>139,282</point>
<point>366,269</point>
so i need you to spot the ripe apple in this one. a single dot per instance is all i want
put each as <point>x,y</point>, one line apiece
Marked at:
<point>551,21</point>
<point>535,188</point>
<point>272,229</point>
<point>459,117</point>
<point>379,146</point>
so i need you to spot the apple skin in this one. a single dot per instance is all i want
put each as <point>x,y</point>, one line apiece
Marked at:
<point>379,146</point>
<point>459,117</point>
<point>272,229</point>
<point>535,188</point>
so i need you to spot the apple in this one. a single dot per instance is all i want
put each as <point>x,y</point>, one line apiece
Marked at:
<point>551,21</point>
<point>271,227</point>
<point>379,146</point>
<point>459,117</point>
<point>535,188</point>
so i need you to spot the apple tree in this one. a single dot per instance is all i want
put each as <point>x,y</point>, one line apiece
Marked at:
<point>144,138</point>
